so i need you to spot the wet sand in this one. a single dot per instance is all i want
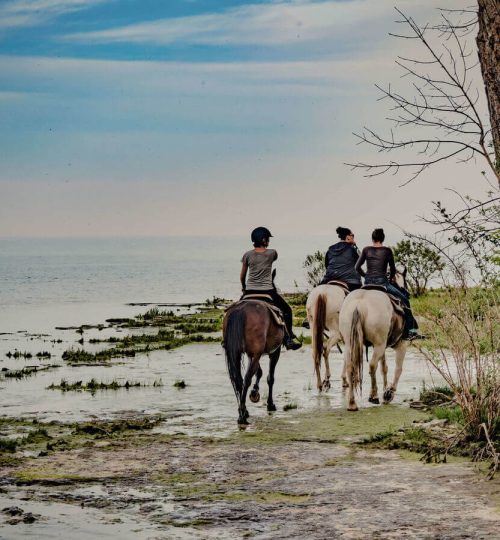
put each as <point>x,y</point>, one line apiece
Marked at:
<point>300,477</point>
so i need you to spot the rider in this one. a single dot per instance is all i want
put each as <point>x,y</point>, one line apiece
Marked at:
<point>378,257</point>
<point>340,260</point>
<point>258,264</point>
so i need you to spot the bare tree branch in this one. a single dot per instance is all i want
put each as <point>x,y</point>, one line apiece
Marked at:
<point>444,104</point>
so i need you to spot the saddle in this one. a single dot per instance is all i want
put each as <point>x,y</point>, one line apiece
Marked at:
<point>340,284</point>
<point>264,299</point>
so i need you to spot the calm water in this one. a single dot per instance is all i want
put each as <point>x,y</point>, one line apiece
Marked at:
<point>45,283</point>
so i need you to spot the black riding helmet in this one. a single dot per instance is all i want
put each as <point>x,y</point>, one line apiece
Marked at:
<point>260,234</point>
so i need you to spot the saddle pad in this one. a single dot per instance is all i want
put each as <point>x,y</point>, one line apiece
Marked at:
<point>258,296</point>
<point>396,331</point>
<point>396,304</point>
<point>275,312</point>
<point>340,284</point>
<point>374,288</point>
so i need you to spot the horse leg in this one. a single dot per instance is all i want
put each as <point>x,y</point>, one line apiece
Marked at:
<point>351,402</point>
<point>273,360</point>
<point>253,366</point>
<point>400,350</point>
<point>383,365</point>
<point>345,383</point>
<point>316,357</point>
<point>332,341</point>
<point>378,354</point>
<point>255,394</point>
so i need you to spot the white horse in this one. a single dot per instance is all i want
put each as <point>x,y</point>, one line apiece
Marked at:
<point>323,308</point>
<point>368,317</point>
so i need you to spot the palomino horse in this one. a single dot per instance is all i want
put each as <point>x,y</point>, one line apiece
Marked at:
<point>367,318</point>
<point>250,327</point>
<point>323,308</point>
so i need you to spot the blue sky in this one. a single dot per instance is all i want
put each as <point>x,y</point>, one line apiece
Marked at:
<point>148,117</point>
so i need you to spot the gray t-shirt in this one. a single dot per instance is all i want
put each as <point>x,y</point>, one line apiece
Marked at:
<point>259,276</point>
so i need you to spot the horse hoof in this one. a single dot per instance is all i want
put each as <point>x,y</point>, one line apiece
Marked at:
<point>254,396</point>
<point>326,386</point>
<point>345,384</point>
<point>388,396</point>
<point>242,421</point>
<point>271,407</point>
<point>375,400</point>
<point>352,408</point>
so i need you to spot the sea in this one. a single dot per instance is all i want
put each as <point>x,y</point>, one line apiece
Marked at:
<point>52,282</point>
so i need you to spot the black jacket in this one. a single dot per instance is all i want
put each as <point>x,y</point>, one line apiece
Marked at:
<point>340,261</point>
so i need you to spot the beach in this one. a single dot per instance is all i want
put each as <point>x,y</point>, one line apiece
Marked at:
<point>125,427</point>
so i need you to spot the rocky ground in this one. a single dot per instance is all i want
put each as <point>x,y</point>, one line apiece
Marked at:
<point>306,475</point>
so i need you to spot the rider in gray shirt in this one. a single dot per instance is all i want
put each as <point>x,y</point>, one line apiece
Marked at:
<point>259,264</point>
<point>256,277</point>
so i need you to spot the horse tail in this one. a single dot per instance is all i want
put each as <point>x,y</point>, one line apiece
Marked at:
<point>234,346</point>
<point>318,329</point>
<point>356,350</point>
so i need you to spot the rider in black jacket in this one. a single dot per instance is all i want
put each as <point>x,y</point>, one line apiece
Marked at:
<point>340,260</point>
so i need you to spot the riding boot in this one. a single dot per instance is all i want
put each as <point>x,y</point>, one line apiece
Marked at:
<point>408,323</point>
<point>290,344</point>
<point>289,341</point>
<point>410,331</point>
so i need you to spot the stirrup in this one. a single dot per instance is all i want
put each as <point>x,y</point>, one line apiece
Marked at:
<point>413,337</point>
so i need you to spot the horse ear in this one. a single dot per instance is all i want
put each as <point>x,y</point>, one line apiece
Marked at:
<point>405,271</point>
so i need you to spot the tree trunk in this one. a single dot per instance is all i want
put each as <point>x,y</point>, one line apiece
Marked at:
<point>488,45</point>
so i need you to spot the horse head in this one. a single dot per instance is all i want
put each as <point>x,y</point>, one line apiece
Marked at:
<point>400,276</point>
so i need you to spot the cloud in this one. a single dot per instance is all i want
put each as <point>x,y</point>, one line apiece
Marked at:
<point>115,78</point>
<point>18,13</point>
<point>276,23</point>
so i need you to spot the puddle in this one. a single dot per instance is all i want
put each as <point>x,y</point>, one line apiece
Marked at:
<point>59,520</point>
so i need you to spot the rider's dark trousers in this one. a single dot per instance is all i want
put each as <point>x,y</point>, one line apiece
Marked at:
<point>354,286</point>
<point>279,302</point>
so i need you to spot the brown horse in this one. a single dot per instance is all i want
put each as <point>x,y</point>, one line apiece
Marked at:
<point>249,327</point>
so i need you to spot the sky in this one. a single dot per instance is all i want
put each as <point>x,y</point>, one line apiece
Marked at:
<point>203,117</point>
